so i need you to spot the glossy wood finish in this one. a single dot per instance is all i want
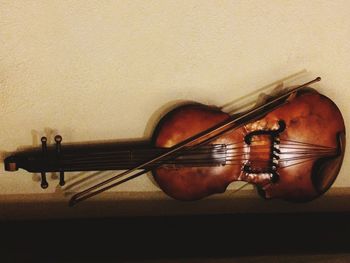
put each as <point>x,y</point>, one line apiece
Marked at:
<point>315,119</point>
<point>311,150</point>
<point>191,183</point>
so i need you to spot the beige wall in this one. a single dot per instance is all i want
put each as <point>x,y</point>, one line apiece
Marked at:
<point>98,70</point>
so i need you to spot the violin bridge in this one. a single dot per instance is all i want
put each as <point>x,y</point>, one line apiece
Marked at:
<point>263,151</point>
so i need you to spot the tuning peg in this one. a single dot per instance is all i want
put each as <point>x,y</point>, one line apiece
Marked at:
<point>58,140</point>
<point>44,183</point>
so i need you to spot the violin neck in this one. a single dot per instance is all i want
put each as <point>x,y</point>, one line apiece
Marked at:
<point>93,157</point>
<point>101,157</point>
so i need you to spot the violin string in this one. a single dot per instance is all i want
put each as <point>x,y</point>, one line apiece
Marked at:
<point>198,164</point>
<point>207,161</point>
<point>216,159</point>
<point>293,164</point>
<point>126,153</point>
<point>204,150</point>
<point>307,150</point>
<point>239,162</point>
<point>303,143</point>
<point>298,145</point>
<point>222,151</point>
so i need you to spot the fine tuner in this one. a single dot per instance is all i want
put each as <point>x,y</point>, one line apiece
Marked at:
<point>290,147</point>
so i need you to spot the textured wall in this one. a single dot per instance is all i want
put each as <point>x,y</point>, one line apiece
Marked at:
<point>98,70</point>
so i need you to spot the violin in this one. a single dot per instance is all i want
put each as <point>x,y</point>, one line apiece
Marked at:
<point>290,147</point>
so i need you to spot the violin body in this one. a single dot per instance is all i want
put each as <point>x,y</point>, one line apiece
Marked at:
<point>296,162</point>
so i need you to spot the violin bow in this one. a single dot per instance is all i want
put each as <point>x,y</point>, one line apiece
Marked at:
<point>202,137</point>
